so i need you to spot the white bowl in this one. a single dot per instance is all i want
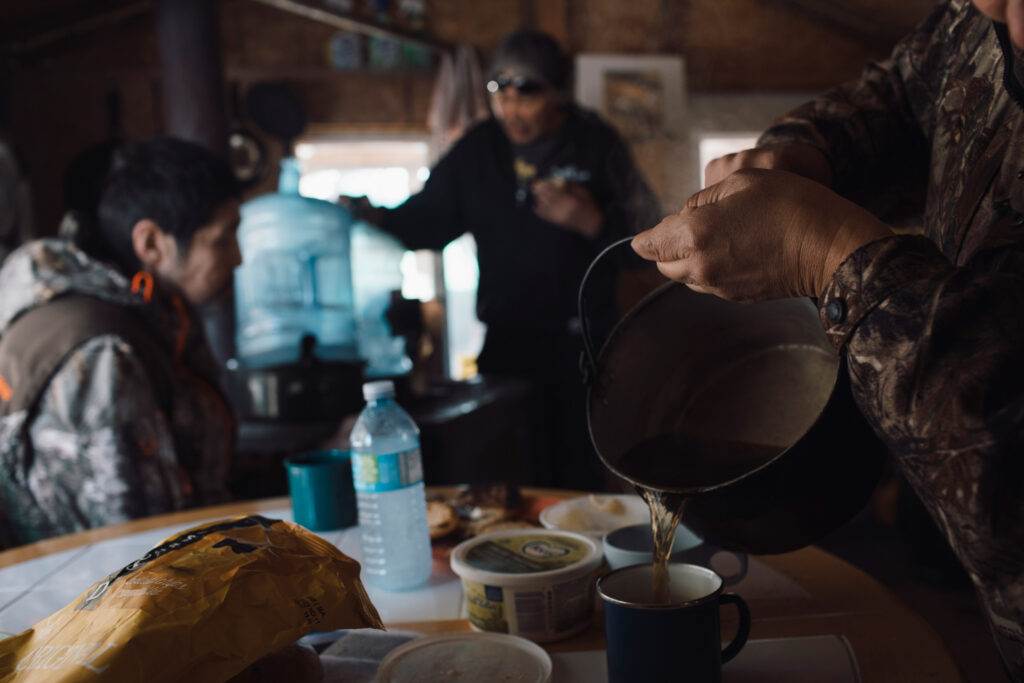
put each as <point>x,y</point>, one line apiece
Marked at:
<point>596,514</point>
<point>635,545</point>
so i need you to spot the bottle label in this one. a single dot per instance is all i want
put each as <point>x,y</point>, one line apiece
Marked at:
<point>388,472</point>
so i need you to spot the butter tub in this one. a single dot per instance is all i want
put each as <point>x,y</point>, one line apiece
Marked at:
<point>534,583</point>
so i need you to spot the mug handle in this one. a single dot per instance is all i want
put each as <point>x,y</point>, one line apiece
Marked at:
<point>742,631</point>
<point>702,554</point>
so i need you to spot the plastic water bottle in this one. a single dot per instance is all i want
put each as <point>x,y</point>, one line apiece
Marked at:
<point>388,473</point>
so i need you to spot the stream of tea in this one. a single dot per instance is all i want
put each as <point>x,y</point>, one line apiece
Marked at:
<point>666,510</point>
<point>685,465</point>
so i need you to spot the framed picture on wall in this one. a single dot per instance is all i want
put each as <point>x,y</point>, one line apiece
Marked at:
<point>641,95</point>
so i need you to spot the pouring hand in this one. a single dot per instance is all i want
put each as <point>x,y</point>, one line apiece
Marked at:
<point>794,157</point>
<point>758,235</point>
<point>568,205</point>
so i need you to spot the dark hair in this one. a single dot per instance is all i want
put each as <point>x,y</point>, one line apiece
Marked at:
<point>176,183</point>
<point>535,54</point>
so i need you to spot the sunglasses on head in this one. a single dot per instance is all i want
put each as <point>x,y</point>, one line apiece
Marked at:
<point>522,84</point>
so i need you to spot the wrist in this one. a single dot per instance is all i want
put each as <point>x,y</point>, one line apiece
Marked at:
<point>851,236</point>
<point>590,226</point>
<point>808,161</point>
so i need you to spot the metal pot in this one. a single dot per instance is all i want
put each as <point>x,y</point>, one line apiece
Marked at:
<point>305,391</point>
<point>721,374</point>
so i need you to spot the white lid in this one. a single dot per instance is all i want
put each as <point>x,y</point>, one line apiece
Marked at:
<point>383,388</point>
<point>466,656</point>
<point>526,557</point>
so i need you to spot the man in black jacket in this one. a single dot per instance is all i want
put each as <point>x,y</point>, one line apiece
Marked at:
<point>543,186</point>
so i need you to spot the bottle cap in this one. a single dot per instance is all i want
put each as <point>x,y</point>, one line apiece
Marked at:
<point>384,388</point>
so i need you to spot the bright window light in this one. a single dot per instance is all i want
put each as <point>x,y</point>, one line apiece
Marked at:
<point>382,186</point>
<point>714,145</point>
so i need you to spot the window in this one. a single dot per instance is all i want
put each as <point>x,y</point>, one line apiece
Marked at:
<point>714,145</point>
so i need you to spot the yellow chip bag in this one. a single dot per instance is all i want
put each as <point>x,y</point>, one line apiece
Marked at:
<point>199,607</point>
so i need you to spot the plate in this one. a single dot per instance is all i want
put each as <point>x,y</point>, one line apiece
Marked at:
<point>596,514</point>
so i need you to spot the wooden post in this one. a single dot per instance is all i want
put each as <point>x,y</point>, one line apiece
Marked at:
<point>188,38</point>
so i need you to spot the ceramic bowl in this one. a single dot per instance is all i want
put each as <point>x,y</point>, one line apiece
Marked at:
<point>634,544</point>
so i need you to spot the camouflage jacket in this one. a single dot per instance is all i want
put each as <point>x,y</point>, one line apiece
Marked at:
<point>101,446</point>
<point>932,324</point>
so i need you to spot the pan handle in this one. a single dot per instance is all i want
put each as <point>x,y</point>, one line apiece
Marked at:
<point>588,359</point>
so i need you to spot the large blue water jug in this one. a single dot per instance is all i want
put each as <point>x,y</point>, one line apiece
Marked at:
<point>295,279</point>
<point>376,274</point>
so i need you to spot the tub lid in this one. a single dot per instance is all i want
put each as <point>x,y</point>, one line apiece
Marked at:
<point>466,656</point>
<point>526,552</point>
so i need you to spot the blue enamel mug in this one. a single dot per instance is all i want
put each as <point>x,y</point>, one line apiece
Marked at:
<point>679,640</point>
<point>320,485</point>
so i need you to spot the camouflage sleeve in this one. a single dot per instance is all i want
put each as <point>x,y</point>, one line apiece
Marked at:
<point>874,130</point>
<point>103,449</point>
<point>936,357</point>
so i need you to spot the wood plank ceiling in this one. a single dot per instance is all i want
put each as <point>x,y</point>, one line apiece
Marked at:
<point>27,25</point>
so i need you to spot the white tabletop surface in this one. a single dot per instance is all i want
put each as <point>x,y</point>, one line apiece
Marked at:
<point>37,588</point>
<point>800,594</point>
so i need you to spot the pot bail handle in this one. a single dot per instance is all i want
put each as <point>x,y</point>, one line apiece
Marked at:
<point>588,359</point>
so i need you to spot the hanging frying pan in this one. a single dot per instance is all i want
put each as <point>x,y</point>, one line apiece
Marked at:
<point>246,153</point>
<point>278,111</point>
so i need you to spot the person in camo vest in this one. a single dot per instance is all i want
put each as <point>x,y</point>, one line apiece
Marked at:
<point>930,321</point>
<point>108,402</point>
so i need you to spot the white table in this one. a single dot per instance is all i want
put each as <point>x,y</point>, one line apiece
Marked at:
<point>804,593</point>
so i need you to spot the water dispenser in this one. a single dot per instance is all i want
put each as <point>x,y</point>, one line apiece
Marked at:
<point>295,279</point>
<point>377,273</point>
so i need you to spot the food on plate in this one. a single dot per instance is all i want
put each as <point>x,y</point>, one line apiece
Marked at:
<point>595,514</point>
<point>475,509</point>
<point>584,514</point>
<point>571,519</point>
<point>477,502</point>
<point>442,519</point>
<point>609,505</point>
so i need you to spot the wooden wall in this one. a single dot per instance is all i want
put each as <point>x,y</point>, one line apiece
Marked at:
<point>59,90</point>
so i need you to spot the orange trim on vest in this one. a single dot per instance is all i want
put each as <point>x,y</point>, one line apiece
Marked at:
<point>144,281</point>
<point>5,390</point>
<point>179,343</point>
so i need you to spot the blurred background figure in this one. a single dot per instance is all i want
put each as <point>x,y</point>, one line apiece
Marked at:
<point>543,185</point>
